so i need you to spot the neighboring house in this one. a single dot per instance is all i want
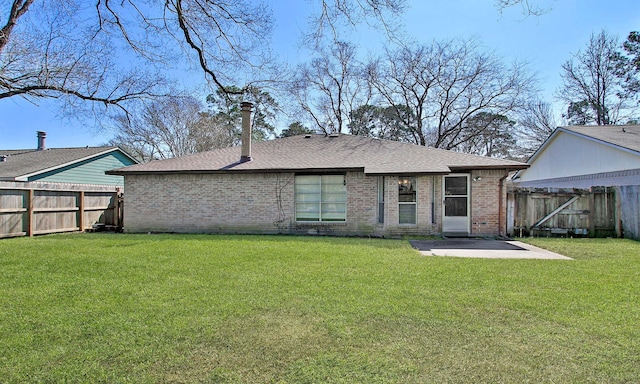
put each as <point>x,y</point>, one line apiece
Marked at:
<point>317,184</point>
<point>585,156</point>
<point>85,165</point>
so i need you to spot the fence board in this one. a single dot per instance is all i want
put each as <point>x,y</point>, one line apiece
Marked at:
<point>37,208</point>
<point>590,212</point>
<point>630,210</point>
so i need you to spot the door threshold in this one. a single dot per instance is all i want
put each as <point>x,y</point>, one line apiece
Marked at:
<point>456,234</point>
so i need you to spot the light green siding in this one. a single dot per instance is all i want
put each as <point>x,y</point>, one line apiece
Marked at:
<point>90,171</point>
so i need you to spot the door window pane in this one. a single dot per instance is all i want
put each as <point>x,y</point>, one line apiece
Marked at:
<point>455,185</point>
<point>455,206</point>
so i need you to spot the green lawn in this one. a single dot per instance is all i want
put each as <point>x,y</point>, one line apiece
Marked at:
<point>250,309</point>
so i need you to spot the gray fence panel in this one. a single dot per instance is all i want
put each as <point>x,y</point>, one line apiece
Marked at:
<point>629,197</point>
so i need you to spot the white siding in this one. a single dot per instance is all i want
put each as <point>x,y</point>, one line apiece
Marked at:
<point>572,155</point>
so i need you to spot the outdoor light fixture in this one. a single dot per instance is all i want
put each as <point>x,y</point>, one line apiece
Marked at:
<point>477,178</point>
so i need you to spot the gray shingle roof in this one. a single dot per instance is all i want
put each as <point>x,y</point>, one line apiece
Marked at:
<point>320,152</point>
<point>625,136</point>
<point>21,163</point>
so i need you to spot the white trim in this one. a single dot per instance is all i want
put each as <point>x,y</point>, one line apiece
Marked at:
<point>414,203</point>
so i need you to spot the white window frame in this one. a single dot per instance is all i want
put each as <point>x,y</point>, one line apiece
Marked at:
<point>322,200</point>
<point>414,180</point>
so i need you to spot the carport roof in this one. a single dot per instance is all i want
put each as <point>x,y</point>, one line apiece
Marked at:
<point>325,152</point>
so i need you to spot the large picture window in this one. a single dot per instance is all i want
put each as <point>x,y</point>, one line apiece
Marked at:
<point>321,198</point>
<point>407,200</point>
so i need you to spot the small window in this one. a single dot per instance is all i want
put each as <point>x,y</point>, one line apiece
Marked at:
<point>407,200</point>
<point>321,198</point>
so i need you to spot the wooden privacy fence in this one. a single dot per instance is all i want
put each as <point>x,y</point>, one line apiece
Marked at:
<point>594,212</point>
<point>33,208</point>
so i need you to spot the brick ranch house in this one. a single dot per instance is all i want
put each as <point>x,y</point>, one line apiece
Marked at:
<point>319,184</point>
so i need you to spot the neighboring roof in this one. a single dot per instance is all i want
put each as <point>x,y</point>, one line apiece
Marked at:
<point>22,164</point>
<point>319,152</point>
<point>626,137</point>
<point>605,179</point>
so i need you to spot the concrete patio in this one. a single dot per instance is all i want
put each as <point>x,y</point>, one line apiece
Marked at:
<point>483,248</point>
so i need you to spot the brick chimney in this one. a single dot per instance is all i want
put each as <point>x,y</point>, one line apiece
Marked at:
<point>42,135</point>
<point>245,155</point>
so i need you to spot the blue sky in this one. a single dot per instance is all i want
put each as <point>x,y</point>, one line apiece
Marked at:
<point>545,42</point>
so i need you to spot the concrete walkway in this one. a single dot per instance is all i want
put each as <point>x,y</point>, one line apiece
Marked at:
<point>481,248</point>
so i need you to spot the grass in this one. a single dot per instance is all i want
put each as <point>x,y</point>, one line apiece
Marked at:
<point>260,309</point>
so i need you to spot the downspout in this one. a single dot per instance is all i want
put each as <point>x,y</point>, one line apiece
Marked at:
<point>433,200</point>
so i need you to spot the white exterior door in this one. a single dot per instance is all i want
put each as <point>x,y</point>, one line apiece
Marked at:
<point>456,204</point>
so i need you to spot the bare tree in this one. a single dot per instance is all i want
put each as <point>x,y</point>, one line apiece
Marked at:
<point>111,53</point>
<point>591,86</point>
<point>445,84</point>
<point>333,16</point>
<point>54,49</point>
<point>329,87</point>
<point>528,7</point>
<point>536,122</point>
<point>168,127</point>
<point>490,135</point>
<point>180,125</point>
<point>407,77</point>
<point>388,123</point>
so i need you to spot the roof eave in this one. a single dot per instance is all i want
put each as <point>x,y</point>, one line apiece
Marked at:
<point>413,173</point>
<point>123,172</point>
<point>511,167</point>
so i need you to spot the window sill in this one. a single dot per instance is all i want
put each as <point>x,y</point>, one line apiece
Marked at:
<point>321,223</point>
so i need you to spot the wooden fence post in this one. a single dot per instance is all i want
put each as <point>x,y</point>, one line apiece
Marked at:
<point>592,212</point>
<point>618,213</point>
<point>117,207</point>
<point>81,211</point>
